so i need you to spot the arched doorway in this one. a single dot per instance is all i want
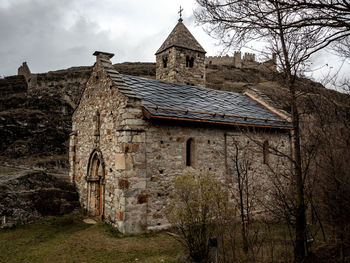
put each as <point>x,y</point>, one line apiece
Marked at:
<point>95,184</point>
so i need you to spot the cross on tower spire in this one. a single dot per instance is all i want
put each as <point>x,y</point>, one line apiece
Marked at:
<point>180,12</point>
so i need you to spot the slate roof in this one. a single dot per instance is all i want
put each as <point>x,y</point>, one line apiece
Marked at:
<point>174,101</point>
<point>180,36</point>
<point>116,77</point>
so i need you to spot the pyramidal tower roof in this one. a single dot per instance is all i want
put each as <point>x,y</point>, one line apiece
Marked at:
<point>181,37</point>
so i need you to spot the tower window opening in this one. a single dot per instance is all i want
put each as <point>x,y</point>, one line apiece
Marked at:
<point>165,62</point>
<point>189,62</point>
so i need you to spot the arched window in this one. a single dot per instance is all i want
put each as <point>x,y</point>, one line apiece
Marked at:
<point>165,62</point>
<point>266,152</point>
<point>190,152</point>
<point>189,62</point>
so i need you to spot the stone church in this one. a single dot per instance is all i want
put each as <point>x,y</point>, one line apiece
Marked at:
<point>132,135</point>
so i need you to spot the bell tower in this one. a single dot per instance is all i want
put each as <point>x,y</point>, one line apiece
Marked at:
<point>180,59</point>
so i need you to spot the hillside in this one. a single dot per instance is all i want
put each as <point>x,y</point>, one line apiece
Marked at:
<point>35,123</point>
<point>35,120</point>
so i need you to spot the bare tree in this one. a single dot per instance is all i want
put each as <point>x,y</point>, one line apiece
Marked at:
<point>333,15</point>
<point>332,168</point>
<point>198,202</point>
<point>241,177</point>
<point>236,23</point>
<point>247,187</point>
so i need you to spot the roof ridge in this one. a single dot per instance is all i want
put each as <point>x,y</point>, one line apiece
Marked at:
<point>187,86</point>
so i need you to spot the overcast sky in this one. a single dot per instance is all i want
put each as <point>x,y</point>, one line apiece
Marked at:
<point>57,34</point>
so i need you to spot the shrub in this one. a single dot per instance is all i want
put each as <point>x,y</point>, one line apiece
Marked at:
<point>193,210</point>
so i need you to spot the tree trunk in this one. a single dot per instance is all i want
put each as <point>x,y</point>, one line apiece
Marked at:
<point>240,190</point>
<point>300,224</point>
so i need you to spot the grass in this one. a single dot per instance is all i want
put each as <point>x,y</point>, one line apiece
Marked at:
<point>69,239</point>
<point>268,242</point>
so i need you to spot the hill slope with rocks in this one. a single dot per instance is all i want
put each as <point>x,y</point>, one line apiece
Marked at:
<point>30,195</point>
<point>35,113</point>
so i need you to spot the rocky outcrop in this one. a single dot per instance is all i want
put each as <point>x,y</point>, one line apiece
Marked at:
<point>67,85</point>
<point>36,110</point>
<point>141,69</point>
<point>31,195</point>
<point>32,125</point>
<point>12,85</point>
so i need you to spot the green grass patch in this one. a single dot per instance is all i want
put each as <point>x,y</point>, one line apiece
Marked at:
<point>69,239</point>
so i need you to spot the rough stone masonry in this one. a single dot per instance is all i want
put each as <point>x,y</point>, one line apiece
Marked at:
<point>131,136</point>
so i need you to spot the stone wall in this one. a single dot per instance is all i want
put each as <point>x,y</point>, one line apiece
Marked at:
<point>219,60</point>
<point>214,153</point>
<point>24,70</point>
<point>120,142</point>
<point>247,61</point>
<point>260,165</point>
<point>123,165</point>
<point>177,70</point>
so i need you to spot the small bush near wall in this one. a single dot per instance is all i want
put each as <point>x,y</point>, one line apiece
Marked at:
<point>196,203</point>
<point>199,210</point>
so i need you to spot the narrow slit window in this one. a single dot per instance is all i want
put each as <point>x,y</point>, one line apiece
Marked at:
<point>266,152</point>
<point>165,62</point>
<point>191,62</point>
<point>189,152</point>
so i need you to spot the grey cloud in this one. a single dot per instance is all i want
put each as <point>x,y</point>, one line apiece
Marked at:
<point>36,31</point>
<point>51,34</point>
